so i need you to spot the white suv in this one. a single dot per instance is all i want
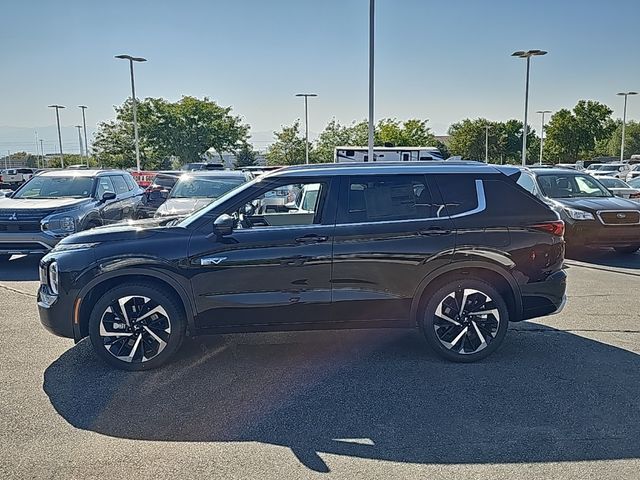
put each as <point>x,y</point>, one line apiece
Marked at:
<point>618,170</point>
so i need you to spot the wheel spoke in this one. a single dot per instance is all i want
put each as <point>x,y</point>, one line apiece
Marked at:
<point>132,353</point>
<point>483,342</point>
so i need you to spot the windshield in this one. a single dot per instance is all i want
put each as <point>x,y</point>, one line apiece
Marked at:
<point>165,180</point>
<point>613,183</point>
<point>594,166</point>
<point>203,211</point>
<point>571,186</point>
<point>56,187</point>
<point>204,187</point>
<point>608,168</point>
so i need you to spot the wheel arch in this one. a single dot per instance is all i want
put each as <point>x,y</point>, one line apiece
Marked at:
<point>93,290</point>
<point>497,276</point>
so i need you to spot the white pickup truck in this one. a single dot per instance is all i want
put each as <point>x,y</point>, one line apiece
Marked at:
<point>16,176</point>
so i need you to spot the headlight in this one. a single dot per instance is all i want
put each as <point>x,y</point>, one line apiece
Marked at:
<point>64,247</point>
<point>578,214</point>
<point>53,277</point>
<point>60,224</point>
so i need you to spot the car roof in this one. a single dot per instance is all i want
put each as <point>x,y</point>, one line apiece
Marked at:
<point>215,174</point>
<point>390,168</point>
<point>556,171</point>
<point>81,173</point>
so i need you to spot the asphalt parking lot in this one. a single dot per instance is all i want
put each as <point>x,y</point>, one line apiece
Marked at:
<point>561,399</point>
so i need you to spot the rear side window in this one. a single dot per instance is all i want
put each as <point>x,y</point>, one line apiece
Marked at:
<point>506,199</point>
<point>130,182</point>
<point>119,184</point>
<point>459,192</point>
<point>384,198</point>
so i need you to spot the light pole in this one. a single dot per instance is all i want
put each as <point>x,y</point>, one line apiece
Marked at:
<point>84,124</point>
<point>528,54</point>
<point>372,16</point>
<point>37,155</point>
<point>624,120</point>
<point>486,143</point>
<point>79,127</point>
<point>58,107</point>
<point>42,151</point>
<point>543,113</point>
<point>135,106</point>
<point>306,123</point>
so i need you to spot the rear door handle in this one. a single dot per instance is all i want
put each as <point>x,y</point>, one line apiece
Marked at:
<point>434,231</point>
<point>313,238</point>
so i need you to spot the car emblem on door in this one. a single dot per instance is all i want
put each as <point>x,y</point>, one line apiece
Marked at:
<point>13,217</point>
<point>212,260</point>
<point>621,215</point>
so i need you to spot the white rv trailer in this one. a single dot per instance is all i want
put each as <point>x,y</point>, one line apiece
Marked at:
<point>386,154</point>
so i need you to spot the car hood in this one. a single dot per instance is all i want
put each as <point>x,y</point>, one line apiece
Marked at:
<point>135,230</point>
<point>182,206</point>
<point>40,204</point>
<point>594,204</point>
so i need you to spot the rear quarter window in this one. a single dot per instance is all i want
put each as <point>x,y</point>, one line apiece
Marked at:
<point>505,198</point>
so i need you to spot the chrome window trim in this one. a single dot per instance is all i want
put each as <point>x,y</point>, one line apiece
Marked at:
<point>616,211</point>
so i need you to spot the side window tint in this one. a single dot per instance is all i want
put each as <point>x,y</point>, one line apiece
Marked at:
<point>505,199</point>
<point>459,193</point>
<point>130,183</point>
<point>385,198</point>
<point>526,182</point>
<point>120,185</point>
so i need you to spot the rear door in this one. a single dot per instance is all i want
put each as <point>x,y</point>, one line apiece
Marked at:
<point>391,232</point>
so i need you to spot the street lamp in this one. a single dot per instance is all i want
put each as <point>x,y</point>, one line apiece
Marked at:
<point>624,120</point>
<point>528,54</point>
<point>306,123</point>
<point>372,16</point>
<point>58,107</point>
<point>84,124</point>
<point>79,127</point>
<point>135,106</point>
<point>543,113</point>
<point>486,143</point>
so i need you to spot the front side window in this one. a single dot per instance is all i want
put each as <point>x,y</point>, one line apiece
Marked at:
<point>120,185</point>
<point>189,186</point>
<point>104,185</point>
<point>290,205</point>
<point>56,187</point>
<point>570,186</point>
<point>386,198</point>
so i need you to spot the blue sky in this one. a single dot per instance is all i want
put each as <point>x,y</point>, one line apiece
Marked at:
<point>443,60</point>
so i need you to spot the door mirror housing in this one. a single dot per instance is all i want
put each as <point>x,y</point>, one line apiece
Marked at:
<point>223,225</point>
<point>108,196</point>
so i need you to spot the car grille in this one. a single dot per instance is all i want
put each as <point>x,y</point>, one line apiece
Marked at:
<point>24,215</point>
<point>23,247</point>
<point>13,227</point>
<point>626,217</point>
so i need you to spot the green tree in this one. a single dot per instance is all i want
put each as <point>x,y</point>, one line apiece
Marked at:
<point>288,149</point>
<point>246,156</point>
<point>631,140</point>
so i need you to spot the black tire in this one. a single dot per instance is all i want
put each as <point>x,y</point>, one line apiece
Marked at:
<point>484,332</point>
<point>629,249</point>
<point>166,325</point>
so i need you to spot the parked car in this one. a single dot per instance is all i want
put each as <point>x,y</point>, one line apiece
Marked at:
<point>633,173</point>
<point>16,176</point>
<point>158,192</point>
<point>195,190</point>
<point>455,249</point>
<point>635,183</point>
<point>618,170</point>
<point>593,216</point>
<point>196,166</point>
<point>620,188</point>
<point>55,204</point>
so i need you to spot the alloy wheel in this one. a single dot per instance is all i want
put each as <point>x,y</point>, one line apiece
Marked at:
<point>135,329</point>
<point>466,321</point>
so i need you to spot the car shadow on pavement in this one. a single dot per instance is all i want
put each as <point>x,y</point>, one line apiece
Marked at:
<point>607,258</point>
<point>20,269</point>
<point>546,396</point>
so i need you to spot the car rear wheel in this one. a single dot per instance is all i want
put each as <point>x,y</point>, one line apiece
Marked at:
<point>136,327</point>
<point>465,320</point>
<point>630,249</point>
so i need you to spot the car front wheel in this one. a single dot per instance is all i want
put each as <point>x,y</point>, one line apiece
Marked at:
<point>136,327</point>
<point>465,320</point>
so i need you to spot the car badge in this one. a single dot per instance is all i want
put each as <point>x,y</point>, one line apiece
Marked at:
<point>13,217</point>
<point>621,215</point>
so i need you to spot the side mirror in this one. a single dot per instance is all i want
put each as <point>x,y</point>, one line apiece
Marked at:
<point>108,196</point>
<point>223,225</point>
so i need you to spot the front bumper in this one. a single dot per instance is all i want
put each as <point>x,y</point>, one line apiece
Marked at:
<point>544,298</point>
<point>592,233</point>
<point>25,243</point>
<point>56,313</point>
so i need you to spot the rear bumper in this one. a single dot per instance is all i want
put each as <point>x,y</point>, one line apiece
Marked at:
<point>24,243</point>
<point>544,298</point>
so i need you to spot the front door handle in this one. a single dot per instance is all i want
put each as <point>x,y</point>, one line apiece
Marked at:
<point>313,238</point>
<point>434,231</point>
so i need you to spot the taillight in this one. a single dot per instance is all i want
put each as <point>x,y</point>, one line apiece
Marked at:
<point>554,228</point>
<point>634,195</point>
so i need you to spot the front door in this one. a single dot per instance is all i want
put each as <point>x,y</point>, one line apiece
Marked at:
<point>274,269</point>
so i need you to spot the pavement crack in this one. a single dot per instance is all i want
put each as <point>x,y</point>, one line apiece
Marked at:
<point>15,290</point>
<point>577,330</point>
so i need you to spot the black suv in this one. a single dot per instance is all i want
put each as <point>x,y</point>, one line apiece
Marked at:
<point>456,249</point>
<point>58,203</point>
